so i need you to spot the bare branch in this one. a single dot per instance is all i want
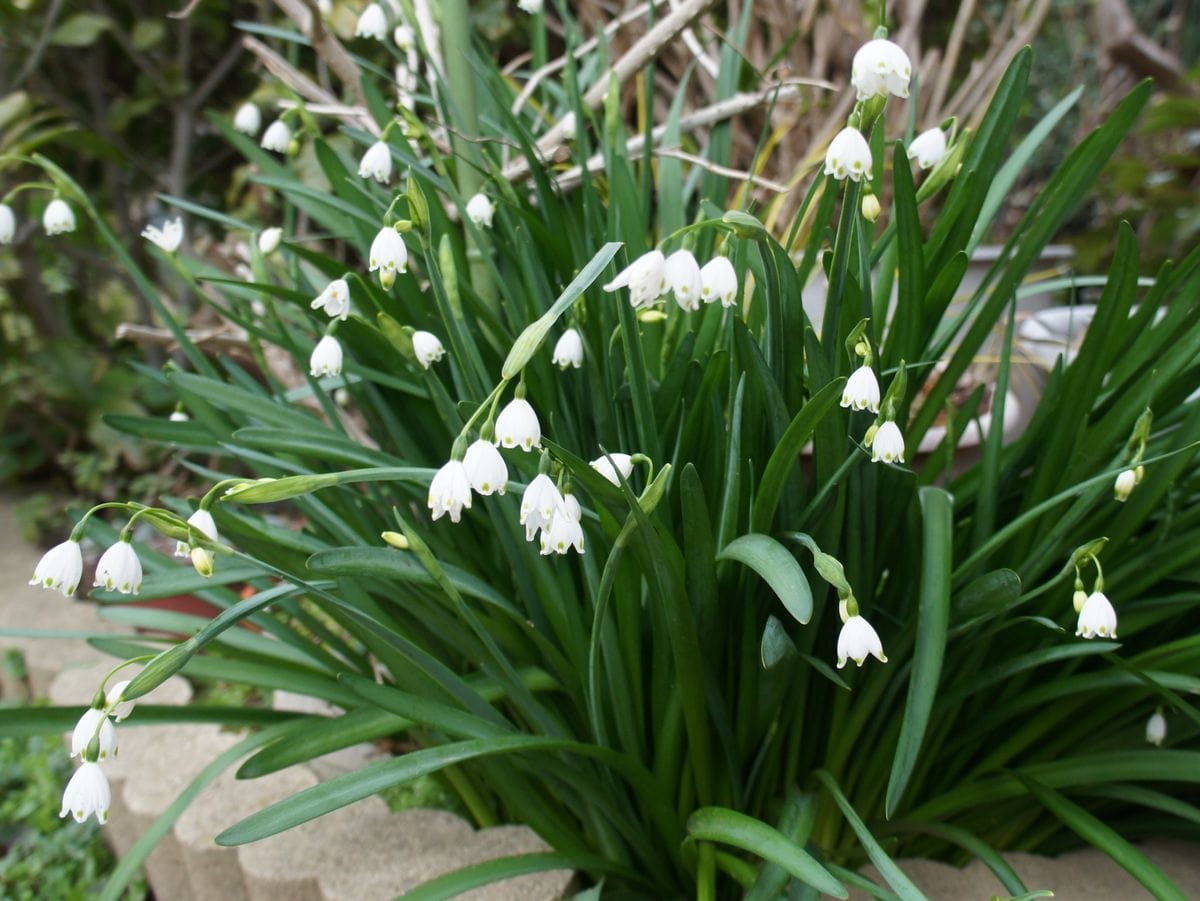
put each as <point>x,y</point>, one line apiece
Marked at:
<point>725,171</point>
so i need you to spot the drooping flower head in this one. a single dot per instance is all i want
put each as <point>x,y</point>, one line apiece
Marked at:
<point>277,137</point>
<point>268,240</point>
<point>857,640</point>
<point>568,351</point>
<point>518,426</point>
<point>119,569</point>
<point>565,531</point>
<point>116,707</point>
<point>168,238</point>
<point>60,568</point>
<point>94,724</point>
<point>8,224</point>
<point>623,464</point>
<point>58,218</point>
<point>880,68</point>
<point>848,156</point>
<point>428,348</point>
<point>372,23</point>
<point>334,300</point>
<point>247,119</point>
<point>450,491</point>
<point>887,444</point>
<point>486,468</point>
<point>326,358</point>
<point>862,390</point>
<point>87,793</point>
<point>1124,485</point>
<point>533,7</point>
<point>539,503</point>
<point>718,281</point>
<point>683,275</point>
<point>1097,618</point>
<point>480,211</point>
<point>1156,728</point>
<point>388,256</point>
<point>202,521</point>
<point>928,148</point>
<point>645,277</point>
<point>376,163</point>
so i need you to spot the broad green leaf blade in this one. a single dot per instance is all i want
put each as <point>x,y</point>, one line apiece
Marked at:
<point>777,567</point>
<point>991,592</point>
<point>266,492</point>
<point>19,722</point>
<point>719,824</point>
<point>1104,838</point>
<point>892,874</point>
<point>933,618</point>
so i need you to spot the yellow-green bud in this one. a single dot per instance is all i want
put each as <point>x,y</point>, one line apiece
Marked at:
<point>651,316</point>
<point>870,207</point>
<point>1139,473</point>
<point>293,147</point>
<point>1079,600</point>
<point>202,560</point>
<point>396,540</point>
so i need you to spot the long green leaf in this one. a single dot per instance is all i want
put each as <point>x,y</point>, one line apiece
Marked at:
<point>719,824</point>
<point>933,617</point>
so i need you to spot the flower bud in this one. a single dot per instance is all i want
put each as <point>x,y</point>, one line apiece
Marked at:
<point>202,560</point>
<point>1124,485</point>
<point>1079,599</point>
<point>651,316</point>
<point>870,207</point>
<point>396,540</point>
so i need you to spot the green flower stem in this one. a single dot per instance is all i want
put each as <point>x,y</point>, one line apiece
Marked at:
<point>77,532</point>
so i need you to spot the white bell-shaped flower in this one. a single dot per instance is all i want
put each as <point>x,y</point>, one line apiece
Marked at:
<point>565,531</point>
<point>645,277</point>
<point>8,224</point>
<point>887,444</point>
<point>1097,618</point>
<point>1124,485</point>
<point>450,491</point>
<point>268,240</point>
<point>94,724</point>
<point>87,793</point>
<point>376,163</point>
<point>518,426</point>
<point>60,568</point>
<point>247,119</point>
<point>623,464</point>
<point>539,503</point>
<point>326,358</point>
<point>880,68</point>
<point>568,351</point>
<point>857,640</point>
<point>119,569</point>
<point>277,137</point>
<point>388,256</point>
<point>718,281</point>
<point>167,238</point>
<point>480,211</point>
<point>372,23</point>
<point>848,156</point>
<point>428,348</point>
<point>533,7</point>
<point>928,148</point>
<point>1156,728</point>
<point>179,416</point>
<point>486,468</point>
<point>334,300</point>
<point>202,521</point>
<point>569,126</point>
<point>862,390</point>
<point>683,275</point>
<point>58,218</point>
<point>405,37</point>
<point>117,708</point>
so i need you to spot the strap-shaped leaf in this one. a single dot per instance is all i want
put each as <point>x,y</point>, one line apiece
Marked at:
<point>778,568</point>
